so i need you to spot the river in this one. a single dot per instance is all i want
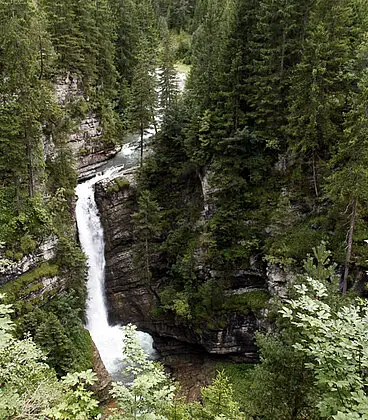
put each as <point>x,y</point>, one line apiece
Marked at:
<point>108,339</point>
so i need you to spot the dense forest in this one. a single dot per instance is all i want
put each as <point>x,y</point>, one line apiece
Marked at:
<point>260,163</point>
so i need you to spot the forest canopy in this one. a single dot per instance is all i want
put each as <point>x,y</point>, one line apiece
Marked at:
<point>260,162</point>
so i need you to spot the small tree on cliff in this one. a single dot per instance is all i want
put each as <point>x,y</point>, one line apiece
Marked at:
<point>148,226</point>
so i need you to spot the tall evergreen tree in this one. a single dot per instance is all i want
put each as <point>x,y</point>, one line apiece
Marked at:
<point>25,97</point>
<point>168,85</point>
<point>66,34</point>
<point>273,47</point>
<point>320,84</point>
<point>124,14</point>
<point>144,96</point>
<point>147,228</point>
<point>348,183</point>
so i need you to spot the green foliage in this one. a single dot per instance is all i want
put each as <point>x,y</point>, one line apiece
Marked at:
<point>29,387</point>
<point>335,343</point>
<point>250,301</point>
<point>78,403</point>
<point>118,184</point>
<point>24,292</point>
<point>151,394</point>
<point>59,332</point>
<point>143,90</point>
<point>6,325</point>
<point>147,227</point>
<point>294,243</point>
<point>239,375</point>
<point>72,262</point>
<point>168,86</point>
<point>218,399</point>
<point>178,302</point>
<point>183,47</point>
<point>151,391</point>
<point>280,386</point>
<point>313,366</point>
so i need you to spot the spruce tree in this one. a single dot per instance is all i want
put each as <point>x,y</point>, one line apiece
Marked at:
<point>66,34</point>
<point>168,86</point>
<point>127,35</point>
<point>143,92</point>
<point>320,85</point>
<point>348,183</point>
<point>147,228</point>
<point>272,44</point>
<point>24,97</point>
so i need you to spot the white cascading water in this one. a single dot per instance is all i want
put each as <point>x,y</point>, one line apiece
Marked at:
<point>109,340</point>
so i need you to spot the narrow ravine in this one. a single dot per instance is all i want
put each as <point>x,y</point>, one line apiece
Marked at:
<point>109,340</point>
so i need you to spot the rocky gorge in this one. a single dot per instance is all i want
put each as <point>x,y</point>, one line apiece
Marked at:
<point>190,349</point>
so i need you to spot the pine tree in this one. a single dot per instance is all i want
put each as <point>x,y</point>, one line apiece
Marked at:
<point>143,93</point>
<point>320,84</point>
<point>24,63</point>
<point>348,183</point>
<point>147,228</point>
<point>127,35</point>
<point>168,87</point>
<point>66,34</point>
<point>273,46</point>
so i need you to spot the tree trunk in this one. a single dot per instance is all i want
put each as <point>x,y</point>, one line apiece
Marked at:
<point>142,134</point>
<point>41,59</point>
<point>349,246</point>
<point>30,165</point>
<point>154,120</point>
<point>283,47</point>
<point>315,177</point>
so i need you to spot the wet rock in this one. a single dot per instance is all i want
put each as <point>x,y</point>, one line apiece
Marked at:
<point>102,386</point>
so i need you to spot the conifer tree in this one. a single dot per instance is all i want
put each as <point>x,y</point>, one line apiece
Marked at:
<point>67,37</point>
<point>124,14</point>
<point>273,45</point>
<point>320,84</point>
<point>348,183</point>
<point>147,228</point>
<point>24,97</point>
<point>168,87</point>
<point>143,92</point>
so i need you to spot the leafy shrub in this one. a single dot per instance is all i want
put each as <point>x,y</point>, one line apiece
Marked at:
<point>118,184</point>
<point>27,244</point>
<point>254,300</point>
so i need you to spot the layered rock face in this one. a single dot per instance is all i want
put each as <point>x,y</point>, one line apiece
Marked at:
<point>130,300</point>
<point>86,141</point>
<point>90,152</point>
<point>44,253</point>
<point>125,294</point>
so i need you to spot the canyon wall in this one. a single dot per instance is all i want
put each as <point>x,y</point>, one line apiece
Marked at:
<point>131,300</point>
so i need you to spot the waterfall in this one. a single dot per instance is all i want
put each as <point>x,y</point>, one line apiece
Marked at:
<point>108,339</point>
